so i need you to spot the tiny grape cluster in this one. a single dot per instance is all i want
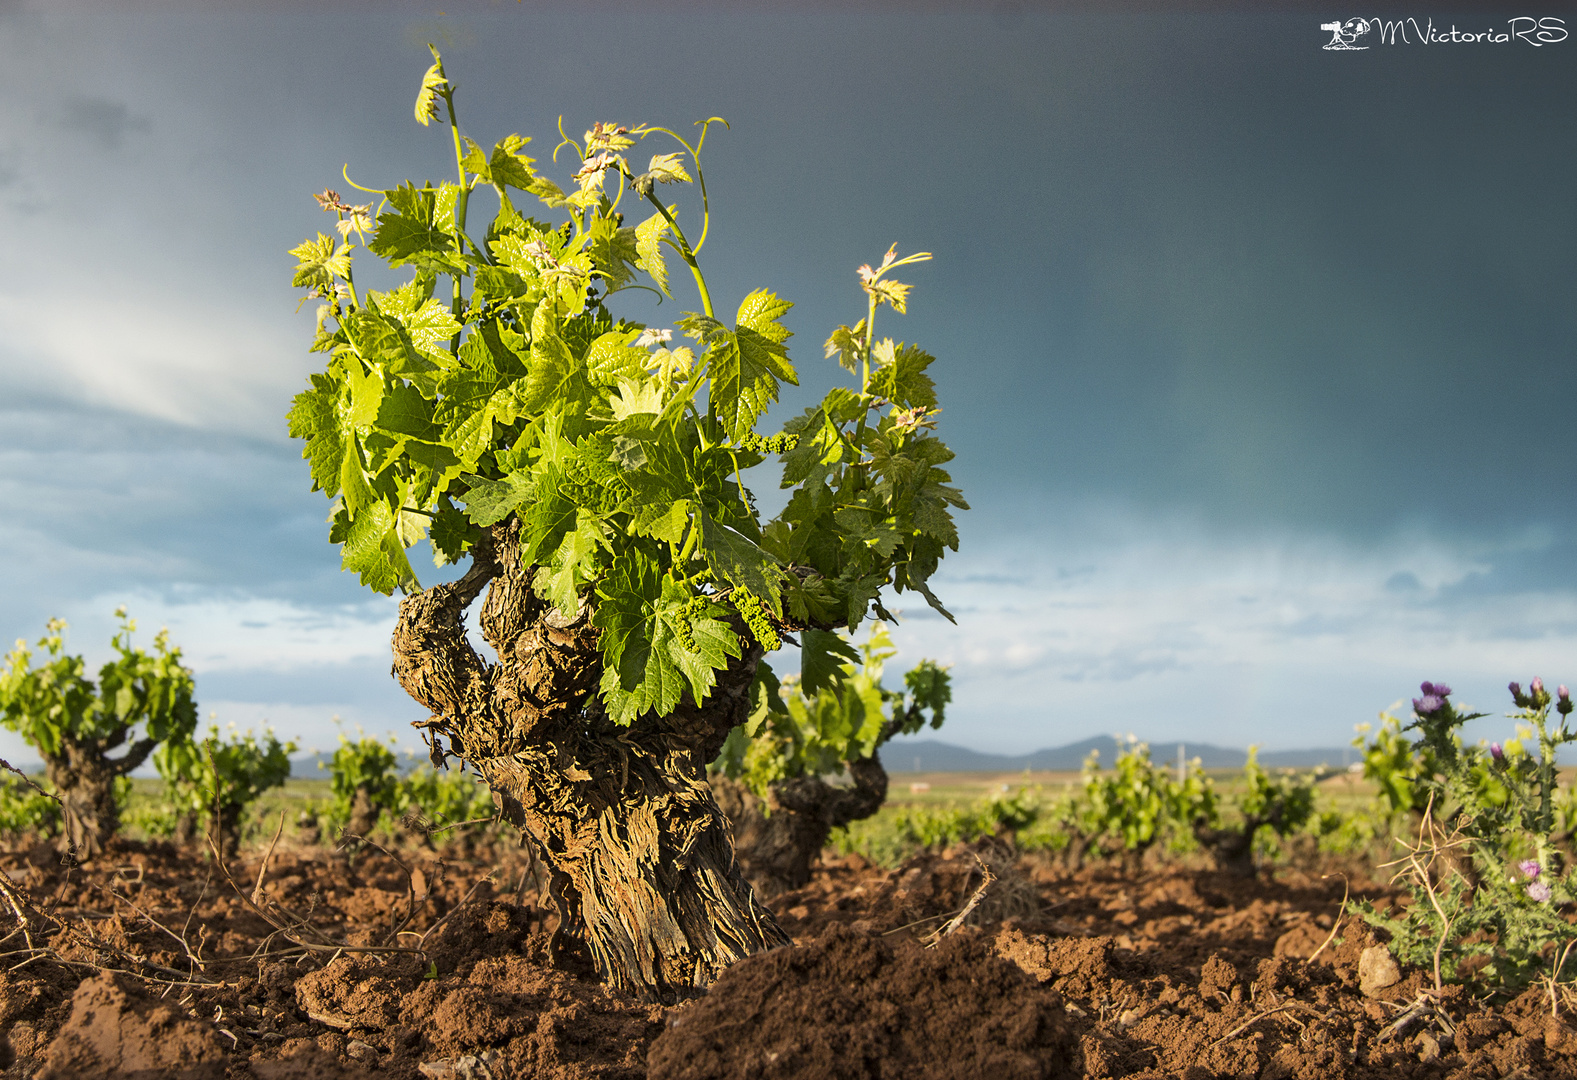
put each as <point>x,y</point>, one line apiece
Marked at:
<point>693,610</point>
<point>769,444</point>
<point>749,606</point>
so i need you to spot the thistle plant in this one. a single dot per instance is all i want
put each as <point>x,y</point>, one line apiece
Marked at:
<point>590,470</point>
<point>1489,885</point>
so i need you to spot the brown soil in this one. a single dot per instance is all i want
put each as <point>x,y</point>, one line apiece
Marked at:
<point>1168,972</point>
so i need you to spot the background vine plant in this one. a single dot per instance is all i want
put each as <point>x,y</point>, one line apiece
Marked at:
<point>91,735</point>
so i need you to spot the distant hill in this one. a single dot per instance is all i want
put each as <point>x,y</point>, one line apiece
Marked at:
<point>316,766</point>
<point>929,755</point>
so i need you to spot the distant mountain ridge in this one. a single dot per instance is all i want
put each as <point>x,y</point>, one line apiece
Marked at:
<point>936,756</point>
<point>931,755</point>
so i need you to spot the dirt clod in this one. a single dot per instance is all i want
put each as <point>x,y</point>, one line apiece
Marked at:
<point>1120,973</point>
<point>854,1006</point>
<point>114,1031</point>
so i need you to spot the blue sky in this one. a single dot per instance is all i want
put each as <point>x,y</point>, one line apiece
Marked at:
<point>1256,356</point>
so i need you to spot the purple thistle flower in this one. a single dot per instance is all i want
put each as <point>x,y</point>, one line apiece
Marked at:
<point>1539,891</point>
<point>1427,705</point>
<point>1518,696</point>
<point>1497,752</point>
<point>1564,702</point>
<point>1536,687</point>
<point>1530,869</point>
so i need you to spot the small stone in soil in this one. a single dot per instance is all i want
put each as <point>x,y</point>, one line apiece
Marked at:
<point>1377,970</point>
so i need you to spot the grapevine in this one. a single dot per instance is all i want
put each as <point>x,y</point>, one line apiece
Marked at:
<point>590,469</point>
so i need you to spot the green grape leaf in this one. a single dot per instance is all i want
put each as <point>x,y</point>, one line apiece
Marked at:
<point>657,664</point>
<point>930,689</point>
<point>663,169</point>
<point>671,524</point>
<point>714,645</point>
<point>858,592</point>
<point>314,416</point>
<point>380,340</point>
<point>613,252</point>
<point>930,598</point>
<point>867,527</point>
<point>892,292</point>
<point>373,550</point>
<point>366,395</point>
<point>354,488</point>
<point>610,360</point>
<point>546,190</point>
<point>509,167</point>
<point>419,229</point>
<point>847,344</point>
<point>403,240</point>
<point>573,564</point>
<point>822,657</point>
<point>436,458</point>
<point>747,365</point>
<point>475,161</point>
<point>452,535</point>
<point>427,97</point>
<point>810,601</point>
<point>426,321</point>
<point>734,558</point>
<point>404,411</point>
<point>491,501</point>
<point>625,597</point>
<point>648,248</point>
<point>629,454</point>
<point>930,515</point>
<point>821,446</point>
<point>319,262</point>
<point>635,398</point>
<point>547,515</point>
<point>553,366</point>
<point>900,375</point>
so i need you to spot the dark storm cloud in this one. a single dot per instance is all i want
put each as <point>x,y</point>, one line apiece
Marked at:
<point>110,501</point>
<point>1188,264</point>
<point>108,123</point>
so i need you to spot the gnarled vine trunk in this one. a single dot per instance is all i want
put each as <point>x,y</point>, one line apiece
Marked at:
<point>87,800</point>
<point>84,778</point>
<point>778,839</point>
<point>643,870</point>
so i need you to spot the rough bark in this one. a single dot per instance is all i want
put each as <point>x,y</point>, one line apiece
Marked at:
<point>777,841</point>
<point>84,777</point>
<point>642,866</point>
<point>1233,849</point>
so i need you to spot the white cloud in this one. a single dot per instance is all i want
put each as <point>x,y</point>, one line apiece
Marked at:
<point>156,355</point>
<point>221,634</point>
<point>1120,620</point>
<point>1115,620</point>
